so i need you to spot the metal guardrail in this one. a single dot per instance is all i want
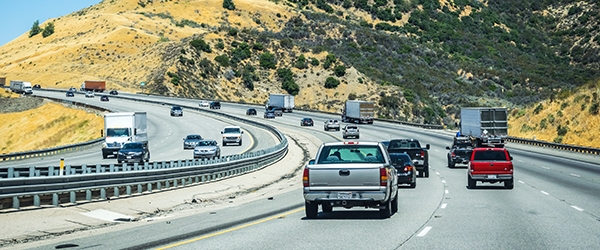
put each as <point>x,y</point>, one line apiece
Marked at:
<point>567,147</point>
<point>35,187</point>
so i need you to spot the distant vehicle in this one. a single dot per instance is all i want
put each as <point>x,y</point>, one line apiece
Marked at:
<point>72,89</point>
<point>37,86</point>
<point>70,94</point>
<point>204,104</point>
<point>269,114</point>
<point>95,86</point>
<point>355,111</point>
<point>484,126</point>
<point>104,98</point>
<point>123,127</point>
<point>133,152</point>
<point>350,130</point>
<point>251,111</point>
<point>190,141</point>
<point>232,134</point>
<point>285,102</point>
<point>215,105</point>
<point>89,94</point>
<point>460,151</point>
<point>490,165</point>
<point>418,154</point>
<point>331,124</point>
<point>307,122</point>
<point>407,173</point>
<point>176,111</point>
<point>276,111</point>
<point>21,87</point>
<point>113,92</point>
<point>207,149</point>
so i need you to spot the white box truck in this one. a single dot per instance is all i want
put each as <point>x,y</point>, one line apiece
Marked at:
<point>356,111</point>
<point>281,101</point>
<point>123,127</point>
<point>484,126</point>
<point>21,87</point>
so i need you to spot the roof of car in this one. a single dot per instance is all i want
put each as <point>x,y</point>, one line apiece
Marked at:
<point>367,143</point>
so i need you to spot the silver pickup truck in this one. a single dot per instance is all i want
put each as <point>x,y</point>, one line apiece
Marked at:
<point>349,174</point>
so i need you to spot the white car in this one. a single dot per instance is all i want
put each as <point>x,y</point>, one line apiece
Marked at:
<point>232,134</point>
<point>89,94</point>
<point>204,104</point>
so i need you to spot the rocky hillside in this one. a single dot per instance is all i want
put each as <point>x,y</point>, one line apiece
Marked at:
<point>420,60</point>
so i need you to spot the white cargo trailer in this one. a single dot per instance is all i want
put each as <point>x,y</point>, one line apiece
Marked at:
<point>485,126</point>
<point>356,111</point>
<point>123,127</point>
<point>21,87</point>
<point>281,101</point>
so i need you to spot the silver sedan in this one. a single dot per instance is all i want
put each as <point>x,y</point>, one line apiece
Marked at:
<point>207,149</point>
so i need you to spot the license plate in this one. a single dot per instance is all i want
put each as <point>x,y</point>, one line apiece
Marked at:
<point>492,176</point>
<point>128,157</point>
<point>344,195</point>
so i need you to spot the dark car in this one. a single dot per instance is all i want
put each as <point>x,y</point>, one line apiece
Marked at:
<point>406,171</point>
<point>133,152</point>
<point>70,94</point>
<point>176,111</point>
<point>104,98</point>
<point>215,105</point>
<point>307,122</point>
<point>460,151</point>
<point>251,111</point>
<point>37,86</point>
<point>269,114</point>
<point>207,149</point>
<point>113,92</point>
<point>190,141</point>
<point>418,154</point>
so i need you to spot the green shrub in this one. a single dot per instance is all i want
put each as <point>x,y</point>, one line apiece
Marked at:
<point>223,60</point>
<point>562,130</point>
<point>48,30</point>
<point>339,70</point>
<point>232,32</point>
<point>301,62</point>
<point>201,45</point>
<point>331,83</point>
<point>538,109</point>
<point>35,28</point>
<point>228,4</point>
<point>268,61</point>
<point>314,61</point>
<point>594,109</point>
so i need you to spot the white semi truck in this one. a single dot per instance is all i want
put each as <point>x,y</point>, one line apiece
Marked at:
<point>21,87</point>
<point>281,101</point>
<point>356,111</point>
<point>484,126</point>
<point>123,127</point>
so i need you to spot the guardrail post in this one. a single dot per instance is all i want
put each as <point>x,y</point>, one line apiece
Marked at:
<point>73,198</point>
<point>36,200</point>
<point>149,187</point>
<point>167,184</point>
<point>68,170</point>
<point>112,168</point>
<point>139,188</point>
<point>55,199</point>
<point>116,192</point>
<point>197,180</point>
<point>31,171</point>
<point>102,194</point>
<point>128,190</point>
<point>88,195</point>
<point>183,182</point>
<point>175,183</point>
<point>11,172</point>
<point>84,169</point>
<point>16,203</point>
<point>158,186</point>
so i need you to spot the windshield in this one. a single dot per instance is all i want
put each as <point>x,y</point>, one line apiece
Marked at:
<point>207,143</point>
<point>176,108</point>
<point>399,159</point>
<point>194,137</point>
<point>231,131</point>
<point>117,132</point>
<point>351,154</point>
<point>404,144</point>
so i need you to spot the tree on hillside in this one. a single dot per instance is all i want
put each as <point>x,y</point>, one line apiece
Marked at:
<point>48,30</point>
<point>228,4</point>
<point>35,29</point>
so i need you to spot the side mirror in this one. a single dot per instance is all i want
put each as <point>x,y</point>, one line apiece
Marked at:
<point>511,158</point>
<point>427,146</point>
<point>447,147</point>
<point>221,132</point>
<point>241,132</point>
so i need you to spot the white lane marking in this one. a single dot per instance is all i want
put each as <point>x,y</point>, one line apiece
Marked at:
<point>424,232</point>
<point>447,191</point>
<point>576,175</point>
<point>522,182</point>
<point>577,208</point>
<point>438,173</point>
<point>443,181</point>
<point>444,205</point>
<point>106,215</point>
<point>520,161</point>
<point>544,192</point>
<point>545,167</point>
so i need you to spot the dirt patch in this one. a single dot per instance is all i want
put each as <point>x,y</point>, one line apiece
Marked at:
<point>11,105</point>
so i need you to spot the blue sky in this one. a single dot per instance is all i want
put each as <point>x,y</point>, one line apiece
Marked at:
<point>17,16</point>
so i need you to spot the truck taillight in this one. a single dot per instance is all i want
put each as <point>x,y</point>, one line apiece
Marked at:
<point>422,153</point>
<point>383,177</point>
<point>305,178</point>
<point>453,154</point>
<point>408,168</point>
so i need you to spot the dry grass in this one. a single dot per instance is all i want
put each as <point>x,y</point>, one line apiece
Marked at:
<point>48,126</point>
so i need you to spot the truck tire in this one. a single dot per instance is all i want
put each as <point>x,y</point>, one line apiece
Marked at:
<point>395,204</point>
<point>311,209</point>
<point>327,208</point>
<point>509,184</point>
<point>386,212</point>
<point>471,183</point>
<point>426,172</point>
<point>104,156</point>
<point>413,185</point>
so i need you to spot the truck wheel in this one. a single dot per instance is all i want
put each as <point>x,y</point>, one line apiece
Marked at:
<point>104,156</point>
<point>386,212</point>
<point>311,209</point>
<point>472,183</point>
<point>509,184</point>
<point>119,161</point>
<point>413,185</point>
<point>426,172</point>
<point>344,136</point>
<point>395,204</point>
<point>327,208</point>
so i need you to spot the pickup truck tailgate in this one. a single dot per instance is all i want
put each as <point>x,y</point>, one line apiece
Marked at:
<point>345,176</point>
<point>491,167</point>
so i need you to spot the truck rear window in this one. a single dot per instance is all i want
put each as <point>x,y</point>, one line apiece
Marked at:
<point>351,154</point>
<point>491,155</point>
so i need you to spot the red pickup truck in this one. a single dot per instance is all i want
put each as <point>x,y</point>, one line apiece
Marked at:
<point>491,165</point>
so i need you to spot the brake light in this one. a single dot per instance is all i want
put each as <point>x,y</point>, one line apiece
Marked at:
<point>350,142</point>
<point>453,154</point>
<point>408,168</point>
<point>383,177</point>
<point>422,153</point>
<point>305,177</point>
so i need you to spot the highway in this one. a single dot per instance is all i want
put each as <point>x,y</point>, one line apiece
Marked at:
<point>555,203</point>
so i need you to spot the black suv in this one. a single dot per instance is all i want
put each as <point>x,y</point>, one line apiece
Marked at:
<point>114,92</point>
<point>176,111</point>
<point>418,154</point>
<point>251,111</point>
<point>215,105</point>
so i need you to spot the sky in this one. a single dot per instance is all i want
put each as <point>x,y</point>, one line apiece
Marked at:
<point>18,16</point>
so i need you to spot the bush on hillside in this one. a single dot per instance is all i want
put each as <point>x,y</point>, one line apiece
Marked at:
<point>331,83</point>
<point>228,4</point>
<point>35,28</point>
<point>223,60</point>
<point>301,62</point>
<point>268,61</point>
<point>201,45</point>
<point>48,30</point>
<point>339,70</point>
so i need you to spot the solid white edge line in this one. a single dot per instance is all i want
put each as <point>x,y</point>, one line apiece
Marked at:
<point>544,192</point>
<point>577,208</point>
<point>444,205</point>
<point>424,232</point>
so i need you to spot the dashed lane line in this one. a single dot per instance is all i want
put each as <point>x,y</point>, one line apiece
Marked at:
<point>577,208</point>
<point>444,205</point>
<point>544,192</point>
<point>424,232</point>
